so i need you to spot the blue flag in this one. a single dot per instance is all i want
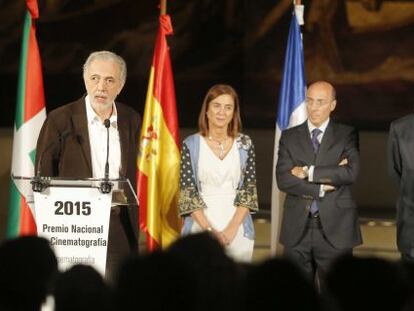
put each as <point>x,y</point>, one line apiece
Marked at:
<point>291,111</point>
<point>293,88</point>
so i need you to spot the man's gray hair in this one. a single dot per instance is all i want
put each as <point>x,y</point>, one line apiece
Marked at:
<point>107,55</point>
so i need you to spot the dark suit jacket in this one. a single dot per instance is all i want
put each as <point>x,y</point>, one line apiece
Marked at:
<point>337,209</point>
<point>63,148</point>
<point>71,157</point>
<point>401,168</point>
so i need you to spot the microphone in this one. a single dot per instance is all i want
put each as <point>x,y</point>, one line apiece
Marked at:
<point>106,186</point>
<point>38,184</point>
<point>107,124</point>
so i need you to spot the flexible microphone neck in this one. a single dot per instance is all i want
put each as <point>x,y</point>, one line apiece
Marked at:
<point>106,185</point>
<point>37,184</point>
<point>107,124</point>
<point>61,139</point>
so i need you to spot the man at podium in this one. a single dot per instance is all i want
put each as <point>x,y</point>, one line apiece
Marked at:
<point>76,138</point>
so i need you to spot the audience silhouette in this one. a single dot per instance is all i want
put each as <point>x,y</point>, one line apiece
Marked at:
<point>355,283</point>
<point>27,270</point>
<point>195,273</point>
<point>82,288</point>
<point>278,284</point>
<point>218,278</point>
<point>157,281</point>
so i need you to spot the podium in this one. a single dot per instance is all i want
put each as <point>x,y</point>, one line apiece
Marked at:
<point>74,214</point>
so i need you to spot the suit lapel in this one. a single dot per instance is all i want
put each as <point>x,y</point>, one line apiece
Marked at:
<point>327,140</point>
<point>80,124</point>
<point>305,142</point>
<point>123,138</point>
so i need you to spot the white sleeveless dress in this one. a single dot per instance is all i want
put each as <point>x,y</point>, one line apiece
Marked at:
<point>219,180</point>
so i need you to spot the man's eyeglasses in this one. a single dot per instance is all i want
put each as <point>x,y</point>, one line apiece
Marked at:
<point>317,102</point>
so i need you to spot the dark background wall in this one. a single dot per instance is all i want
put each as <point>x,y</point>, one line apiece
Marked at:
<point>364,47</point>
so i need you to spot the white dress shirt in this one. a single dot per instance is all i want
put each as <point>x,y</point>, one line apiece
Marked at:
<point>98,143</point>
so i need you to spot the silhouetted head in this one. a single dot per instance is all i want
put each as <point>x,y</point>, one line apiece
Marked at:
<point>366,284</point>
<point>278,284</point>
<point>27,268</point>
<point>200,250</point>
<point>82,288</point>
<point>218,278</point>
<point>157,281</point>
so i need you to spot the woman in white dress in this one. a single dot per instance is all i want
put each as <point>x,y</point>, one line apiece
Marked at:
<point>218,176</point>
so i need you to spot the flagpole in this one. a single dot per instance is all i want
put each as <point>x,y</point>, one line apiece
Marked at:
<point>163,6</point>
<point>29,116</point>
<point>293,113</point>
<point>158,163</point>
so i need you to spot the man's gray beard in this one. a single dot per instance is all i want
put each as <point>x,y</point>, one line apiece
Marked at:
<point>101,107</point>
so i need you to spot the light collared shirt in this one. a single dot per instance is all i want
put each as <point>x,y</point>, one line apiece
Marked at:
<point>98,142</point>
<point>322,128</point>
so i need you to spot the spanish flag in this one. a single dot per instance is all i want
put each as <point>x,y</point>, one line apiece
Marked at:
<point>29,117</point>
<point>159,151</point>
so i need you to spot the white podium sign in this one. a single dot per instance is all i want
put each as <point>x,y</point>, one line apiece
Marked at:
<point>76,222</point>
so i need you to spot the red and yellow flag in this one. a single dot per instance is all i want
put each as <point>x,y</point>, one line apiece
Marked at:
<point>30,115</point>
<point>159,151</point>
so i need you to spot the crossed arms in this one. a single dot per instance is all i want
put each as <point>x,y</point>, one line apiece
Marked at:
<point>292,171</point>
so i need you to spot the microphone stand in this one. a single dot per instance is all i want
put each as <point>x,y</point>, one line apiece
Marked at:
<point>38,182</point>
<point>38,185</point>
<point>106,185</point>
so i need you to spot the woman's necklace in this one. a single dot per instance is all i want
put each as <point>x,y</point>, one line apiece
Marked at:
<point>221,146</point>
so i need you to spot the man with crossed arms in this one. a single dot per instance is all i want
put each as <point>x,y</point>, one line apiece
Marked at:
<point>318,162</point>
